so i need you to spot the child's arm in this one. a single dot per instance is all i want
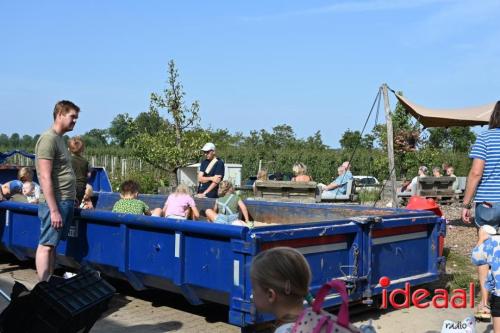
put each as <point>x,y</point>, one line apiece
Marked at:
<point>196,212</point>
<point>115,207</point>
<point>244,210</point>
<point>147,211</point>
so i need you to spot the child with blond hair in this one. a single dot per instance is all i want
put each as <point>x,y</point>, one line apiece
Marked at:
<point>29,192</point>
<point>87,198</point>
<point>180,205</point>
<point>280,282</point>
<point>227,206</point>
<point>80,166</point>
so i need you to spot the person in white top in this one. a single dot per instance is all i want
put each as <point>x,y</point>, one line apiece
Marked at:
<point>422,172</point>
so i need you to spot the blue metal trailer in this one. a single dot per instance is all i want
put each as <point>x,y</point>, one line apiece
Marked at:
<point>206,261</point>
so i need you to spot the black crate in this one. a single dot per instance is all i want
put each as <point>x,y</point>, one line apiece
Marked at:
<point>70,305</point>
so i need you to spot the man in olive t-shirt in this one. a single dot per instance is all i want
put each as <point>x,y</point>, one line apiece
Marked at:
<point>57,180</point>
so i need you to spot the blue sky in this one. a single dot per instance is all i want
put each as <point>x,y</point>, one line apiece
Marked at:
<point>315,65</point>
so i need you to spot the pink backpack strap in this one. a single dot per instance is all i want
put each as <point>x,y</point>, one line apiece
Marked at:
<point>329,327</point>
<point>339,286</point>
<point>319,325</point>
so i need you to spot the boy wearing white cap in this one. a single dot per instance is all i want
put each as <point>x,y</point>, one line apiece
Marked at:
<point>211,173</point>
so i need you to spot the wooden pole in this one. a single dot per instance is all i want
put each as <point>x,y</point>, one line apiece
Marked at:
<point>390,144</point>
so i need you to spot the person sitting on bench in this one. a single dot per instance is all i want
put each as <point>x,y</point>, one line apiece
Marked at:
<point>339,185</point>
<point>422,172</point>
<point>300,173</point>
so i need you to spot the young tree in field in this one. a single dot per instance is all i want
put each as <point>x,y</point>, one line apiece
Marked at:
<point>178,143</point>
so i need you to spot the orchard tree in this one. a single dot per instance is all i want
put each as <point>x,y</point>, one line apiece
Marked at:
<point>15,140</point>
<point>95,137</point>
<point>4,140</point>
<point>122,128</point>
<point>284,136</point>
<point>462,138</point>
<point>150,122</point>
<point>353,139</point>
<point>179,142</point>
<point>223,139</point>
<point>350,139</point>
<point>26,142</point>
<point>457,139</point>
<point>315,142</point>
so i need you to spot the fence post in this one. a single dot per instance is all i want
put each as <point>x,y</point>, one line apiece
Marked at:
<point>124,167</point>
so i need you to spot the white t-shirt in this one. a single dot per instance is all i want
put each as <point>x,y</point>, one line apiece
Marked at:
<point>413,185</point>
<point>285,328</point>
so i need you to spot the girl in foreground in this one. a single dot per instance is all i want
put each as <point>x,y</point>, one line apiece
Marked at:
<point>280,281</point>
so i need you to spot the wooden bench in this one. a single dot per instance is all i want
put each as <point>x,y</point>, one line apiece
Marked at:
<point>440,188</point>
<point>287,191</point>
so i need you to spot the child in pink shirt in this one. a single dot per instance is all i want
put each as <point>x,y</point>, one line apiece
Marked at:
<point>180,204</point>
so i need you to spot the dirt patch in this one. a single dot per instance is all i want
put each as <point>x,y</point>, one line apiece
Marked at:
<point>460,237</point>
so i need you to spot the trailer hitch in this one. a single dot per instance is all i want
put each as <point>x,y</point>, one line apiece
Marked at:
<point>352,279</point>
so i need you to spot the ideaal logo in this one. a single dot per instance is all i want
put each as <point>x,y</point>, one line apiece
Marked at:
<point>418,298</point>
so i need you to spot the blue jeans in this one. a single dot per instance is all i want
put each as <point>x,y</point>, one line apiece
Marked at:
<point>48,235</point>
<point>487,215</point>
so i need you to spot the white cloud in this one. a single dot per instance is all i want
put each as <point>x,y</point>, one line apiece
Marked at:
<point>352,7</point>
